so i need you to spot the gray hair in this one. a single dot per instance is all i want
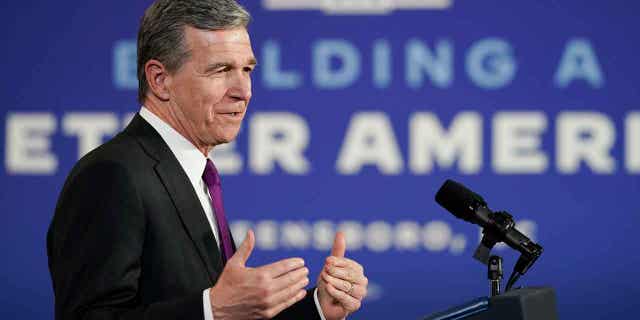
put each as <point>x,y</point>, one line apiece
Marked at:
<point>161,33</point>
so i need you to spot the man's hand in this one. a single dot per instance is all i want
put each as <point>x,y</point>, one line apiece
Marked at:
<point>341,284</point>
<point>257,293</point>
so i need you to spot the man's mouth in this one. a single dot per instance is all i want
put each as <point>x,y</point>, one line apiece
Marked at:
<point>232,114</point>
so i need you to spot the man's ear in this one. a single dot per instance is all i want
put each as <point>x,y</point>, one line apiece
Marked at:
<point>158,79</point>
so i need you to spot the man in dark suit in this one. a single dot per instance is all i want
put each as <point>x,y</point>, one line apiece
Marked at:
<point>139,230</point>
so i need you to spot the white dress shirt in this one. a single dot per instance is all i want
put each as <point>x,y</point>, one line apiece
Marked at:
<point>193,163</point>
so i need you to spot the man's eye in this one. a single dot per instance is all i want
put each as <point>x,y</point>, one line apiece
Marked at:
<point>219,70</point>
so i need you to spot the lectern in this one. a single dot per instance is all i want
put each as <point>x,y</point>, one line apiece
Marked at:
<point>536,303</point>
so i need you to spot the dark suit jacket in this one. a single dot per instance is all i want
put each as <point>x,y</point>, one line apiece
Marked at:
<point>129,239</point>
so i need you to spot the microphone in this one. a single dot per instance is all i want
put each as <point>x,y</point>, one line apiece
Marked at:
<point>497,226</point>
<point>462,203</point>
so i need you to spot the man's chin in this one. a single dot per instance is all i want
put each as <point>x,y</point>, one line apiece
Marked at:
<point>226,138</point>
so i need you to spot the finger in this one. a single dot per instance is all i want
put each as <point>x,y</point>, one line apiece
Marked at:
<point>272,312</point>
<point>348,302</point>
<point>286,293</point>
<point>339,245</point>
<point>345,262</point>
<point>289,279</point>
<point>355,290</point>
<point>244,251</point>
<point>347,274</point>
<point>281,267</point>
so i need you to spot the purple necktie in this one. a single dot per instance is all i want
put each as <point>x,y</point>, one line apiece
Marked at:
<point>212,179</point>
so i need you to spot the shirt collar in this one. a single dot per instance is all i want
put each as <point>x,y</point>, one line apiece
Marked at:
<point>189,157</point>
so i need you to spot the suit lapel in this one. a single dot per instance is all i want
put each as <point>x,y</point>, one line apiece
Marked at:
<point>190,210</point>
<point>180,190</point>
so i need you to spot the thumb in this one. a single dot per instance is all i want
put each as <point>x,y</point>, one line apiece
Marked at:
<point>244,251</point>
<point>339,245</point>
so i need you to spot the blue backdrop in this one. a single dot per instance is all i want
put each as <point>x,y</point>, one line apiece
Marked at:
<point>361,110</point>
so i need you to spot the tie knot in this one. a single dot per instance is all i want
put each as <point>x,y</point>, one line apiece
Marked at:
<point>210,174</point>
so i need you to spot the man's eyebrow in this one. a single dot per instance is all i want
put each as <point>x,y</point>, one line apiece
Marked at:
<point>217,65</point>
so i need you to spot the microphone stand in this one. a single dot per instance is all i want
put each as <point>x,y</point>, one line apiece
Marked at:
<point>494,273</point>
<point>501,229</point>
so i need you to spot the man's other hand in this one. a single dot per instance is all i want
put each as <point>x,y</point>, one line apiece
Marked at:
<point>341,284</point>
<point>257,293</point>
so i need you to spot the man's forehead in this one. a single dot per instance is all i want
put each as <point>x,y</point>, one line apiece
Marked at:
<point>205,38</point>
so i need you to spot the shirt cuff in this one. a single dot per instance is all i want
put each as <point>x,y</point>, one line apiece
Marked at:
<point>208,313</point>
<point>315,299</point>
<point>206,305</point>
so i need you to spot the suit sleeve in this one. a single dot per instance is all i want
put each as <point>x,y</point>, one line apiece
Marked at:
<point>95,246</point>
<point>304,309</point>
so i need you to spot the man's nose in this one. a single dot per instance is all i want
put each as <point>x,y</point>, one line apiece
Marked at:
<point>241,86</point>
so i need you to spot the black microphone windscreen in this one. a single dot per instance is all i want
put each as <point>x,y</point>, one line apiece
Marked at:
<point>458,200</point>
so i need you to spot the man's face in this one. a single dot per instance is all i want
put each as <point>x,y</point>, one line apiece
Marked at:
<point>210,92</point>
